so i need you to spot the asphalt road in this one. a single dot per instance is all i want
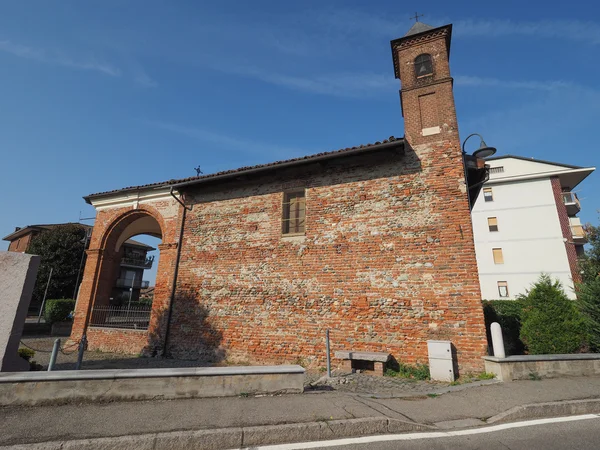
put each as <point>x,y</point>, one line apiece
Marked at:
<point>582,434</point>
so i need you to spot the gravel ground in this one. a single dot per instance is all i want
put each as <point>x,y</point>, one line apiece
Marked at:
<point>358,383</point>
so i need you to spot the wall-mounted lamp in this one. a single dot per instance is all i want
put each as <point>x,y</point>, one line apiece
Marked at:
<point>483,151</point>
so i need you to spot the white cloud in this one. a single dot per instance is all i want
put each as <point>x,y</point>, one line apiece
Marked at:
<point>337,84</point>
<point>471,81</point>
<point>58,58</point>
<point>573,30</point>
<point>226,141</point>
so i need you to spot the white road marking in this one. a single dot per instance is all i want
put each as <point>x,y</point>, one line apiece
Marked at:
<point>426,435</point>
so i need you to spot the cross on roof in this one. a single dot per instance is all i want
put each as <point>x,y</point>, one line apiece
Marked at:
<point>417,15</point>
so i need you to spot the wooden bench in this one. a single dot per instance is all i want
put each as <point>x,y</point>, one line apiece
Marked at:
<point>373,362</point>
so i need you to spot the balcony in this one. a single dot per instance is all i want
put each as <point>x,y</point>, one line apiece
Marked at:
<point>579,235</point>
<point>140,263</point>
<point>128,283</point>
<point>571,202</point>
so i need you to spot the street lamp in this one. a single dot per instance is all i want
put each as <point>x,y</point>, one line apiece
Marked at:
<point>475,162</point>
<point>483,151</point>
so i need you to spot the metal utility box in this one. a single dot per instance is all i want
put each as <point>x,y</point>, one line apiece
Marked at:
<point>441,363</point>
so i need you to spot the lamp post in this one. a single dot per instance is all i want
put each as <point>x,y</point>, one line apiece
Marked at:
<point>484,151</point>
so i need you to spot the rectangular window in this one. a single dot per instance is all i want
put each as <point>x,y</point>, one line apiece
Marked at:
<point>503,289</point>
<point>499,169</point>
<point>498,257</point>
<point>493,223</point>
<point>294,213</point>
<point>488,195</point>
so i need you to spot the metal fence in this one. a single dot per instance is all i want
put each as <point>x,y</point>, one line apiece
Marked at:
<point>129,317</point>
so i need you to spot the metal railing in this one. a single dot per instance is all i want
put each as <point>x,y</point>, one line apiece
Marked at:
<point>136,284</point>
<point>128,317</point>
<point>144,263</point>
<point>570,198</point>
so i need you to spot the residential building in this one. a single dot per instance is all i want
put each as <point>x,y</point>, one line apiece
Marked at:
<point>525,223</point>
<point>132,256</point>
<point>372,242</point>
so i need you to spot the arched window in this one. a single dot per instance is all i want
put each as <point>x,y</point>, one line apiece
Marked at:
<point>423,65</point>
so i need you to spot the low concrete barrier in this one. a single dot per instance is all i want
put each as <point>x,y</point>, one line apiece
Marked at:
<point>35,388</point>
<point>544,366</point>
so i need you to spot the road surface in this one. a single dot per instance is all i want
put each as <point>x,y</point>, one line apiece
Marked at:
<point>572,433</point>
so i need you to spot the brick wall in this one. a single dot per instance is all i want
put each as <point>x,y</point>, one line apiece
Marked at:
<point>21,244</point>
<point>565,226</point>
<point>387,262</point>
<point>102,269</point>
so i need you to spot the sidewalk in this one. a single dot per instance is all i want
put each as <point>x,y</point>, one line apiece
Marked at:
<point>477,403</point>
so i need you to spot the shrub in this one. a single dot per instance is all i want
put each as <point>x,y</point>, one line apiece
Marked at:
<point>26,353</point>
<point>416,372</point>
<point>58,310</point>
<point>551,323</point>
<point>508,314</point>
<point>145,301</point>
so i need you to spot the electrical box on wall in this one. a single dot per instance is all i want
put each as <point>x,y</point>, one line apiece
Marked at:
<point>441,363</point>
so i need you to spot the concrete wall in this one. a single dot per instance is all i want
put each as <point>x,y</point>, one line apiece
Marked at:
<point>543,366</point>
<point>35,388</point>
<point>529,234</point>
<point>17,279</point>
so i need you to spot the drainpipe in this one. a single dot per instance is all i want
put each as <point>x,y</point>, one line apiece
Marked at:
<point>175,272</point>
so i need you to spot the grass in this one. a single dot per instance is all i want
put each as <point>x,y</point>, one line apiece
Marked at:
<point>418,372</point>
<point>533,376</point>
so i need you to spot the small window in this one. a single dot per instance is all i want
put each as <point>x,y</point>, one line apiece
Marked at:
<point>423,65</point>
<point>503,289</point>
<point>498,256</point>
<point>294,213</point>
<point>493,223</point>
<point>488,195</point>
<point>499,169</point>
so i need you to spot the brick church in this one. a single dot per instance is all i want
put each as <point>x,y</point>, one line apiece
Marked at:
<point>372,242</point>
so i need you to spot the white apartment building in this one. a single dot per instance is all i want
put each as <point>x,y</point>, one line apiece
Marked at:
<point>525,223</point>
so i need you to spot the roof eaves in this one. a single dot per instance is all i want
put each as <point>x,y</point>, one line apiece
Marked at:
<point>523,158</point>
<point>387,143</point>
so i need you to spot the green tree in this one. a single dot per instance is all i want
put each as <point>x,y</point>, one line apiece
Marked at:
<point>60,249</point>
<point>589,263</point>
<point>551,323</point>
<point>588,301</point>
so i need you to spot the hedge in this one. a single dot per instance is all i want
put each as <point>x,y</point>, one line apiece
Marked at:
<point>58,310</point>
<point>508,314</point>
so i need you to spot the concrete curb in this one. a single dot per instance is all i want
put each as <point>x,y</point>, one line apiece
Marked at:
<point>551,409</point>
<point>231,438</point>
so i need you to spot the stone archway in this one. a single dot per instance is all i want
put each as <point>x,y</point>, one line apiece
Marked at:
<point>108,327</point>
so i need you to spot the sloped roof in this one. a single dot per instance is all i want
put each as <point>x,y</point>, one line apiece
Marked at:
<point>523,158</point>
<point>418,27</point>
<point>139,244</point>
<point>29,228</point>
<point>391,141</point>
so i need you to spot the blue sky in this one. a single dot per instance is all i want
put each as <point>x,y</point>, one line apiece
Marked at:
<point>99,95</point>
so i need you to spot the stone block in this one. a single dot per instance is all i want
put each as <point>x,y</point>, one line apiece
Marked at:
<point>17,279</point>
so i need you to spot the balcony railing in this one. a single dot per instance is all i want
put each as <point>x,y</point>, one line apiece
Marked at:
<point>571,202</point>
<point>136,284</point>
<point>578,233</point>
<point>129,317</point>
<point>143,263</point>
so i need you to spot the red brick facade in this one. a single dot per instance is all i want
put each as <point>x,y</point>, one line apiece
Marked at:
<point>386,263</point>
<point>565,226</point>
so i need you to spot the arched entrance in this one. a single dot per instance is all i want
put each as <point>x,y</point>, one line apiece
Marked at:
<point>108,309</point>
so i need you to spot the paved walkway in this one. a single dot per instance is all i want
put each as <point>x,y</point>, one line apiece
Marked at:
<point>38,424</point>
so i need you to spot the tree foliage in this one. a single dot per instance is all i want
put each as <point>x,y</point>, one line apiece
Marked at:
<point>60,249</point>
<point>551,323</point>
<point>589,263</point>
<point>588,301</point>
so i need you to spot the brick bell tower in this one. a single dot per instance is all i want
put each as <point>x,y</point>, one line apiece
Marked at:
<point>421,62</point>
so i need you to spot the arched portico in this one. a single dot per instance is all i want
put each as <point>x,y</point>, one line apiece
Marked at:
<point>125,328</point>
